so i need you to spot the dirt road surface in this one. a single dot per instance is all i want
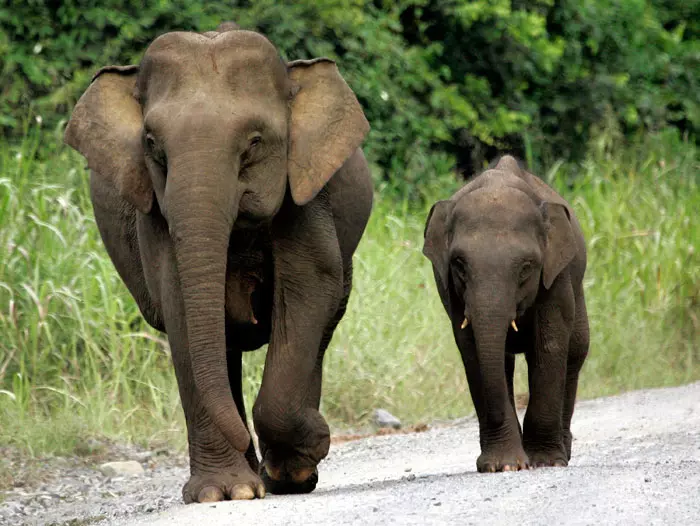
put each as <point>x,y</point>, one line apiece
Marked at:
<point>636,460</point>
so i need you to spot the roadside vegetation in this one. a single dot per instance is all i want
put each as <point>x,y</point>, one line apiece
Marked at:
<point>600,98</point>
<point>77,361</point>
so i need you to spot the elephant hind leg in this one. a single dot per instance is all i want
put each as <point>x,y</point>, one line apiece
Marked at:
<point>235,369</point>
<point>578,350</point>
<point>510,372</point>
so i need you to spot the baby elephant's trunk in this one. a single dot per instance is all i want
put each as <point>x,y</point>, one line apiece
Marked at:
<point>490,325</point>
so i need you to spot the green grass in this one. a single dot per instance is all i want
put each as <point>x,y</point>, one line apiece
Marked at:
<point>76,360</point>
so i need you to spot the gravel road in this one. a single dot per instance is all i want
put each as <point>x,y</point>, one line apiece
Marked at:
<point>636,460</point>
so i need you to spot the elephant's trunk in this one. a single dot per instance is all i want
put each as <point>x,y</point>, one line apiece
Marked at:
<point>490,321</point>
<point>201,216</point>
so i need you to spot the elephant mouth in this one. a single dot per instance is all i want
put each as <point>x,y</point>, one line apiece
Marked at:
<point>241,293</point>
<point>248,222</point>
<point>249,279</point>
<point>465,324</point>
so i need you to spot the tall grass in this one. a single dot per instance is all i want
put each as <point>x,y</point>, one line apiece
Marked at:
<point>76,359</point>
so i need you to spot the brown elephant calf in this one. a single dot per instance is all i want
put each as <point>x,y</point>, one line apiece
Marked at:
<point>509,257</point>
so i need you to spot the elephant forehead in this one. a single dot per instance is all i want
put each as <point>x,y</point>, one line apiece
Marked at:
<point>182,44</point>
<point>235,60</point>
<point>497,207</point>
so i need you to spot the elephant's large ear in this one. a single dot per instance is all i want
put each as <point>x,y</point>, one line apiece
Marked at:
<point>561,244</point>
<point>105,128</point>
<point>435,238</point>
<point>327,126</point>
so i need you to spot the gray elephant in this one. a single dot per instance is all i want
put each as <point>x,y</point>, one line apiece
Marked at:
<point>230,192</point>
<point>508,258</point>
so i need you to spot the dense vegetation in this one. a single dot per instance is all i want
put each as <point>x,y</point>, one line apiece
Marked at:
<point>443,82</point>
<point>600,97</point>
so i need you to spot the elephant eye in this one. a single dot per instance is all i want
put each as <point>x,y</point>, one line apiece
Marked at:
<point>254,139</point>
<point>154,150</point>
<point>151,142</point>
<point>459,267</point>
<point>248,156</point>
<point>525,271</point>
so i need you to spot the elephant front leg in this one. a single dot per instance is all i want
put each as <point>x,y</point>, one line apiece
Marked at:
<point>235,369</point>
<point>217,470</point>
<point>500,439</point>
<point>294,437</point>
<point>543,430</point>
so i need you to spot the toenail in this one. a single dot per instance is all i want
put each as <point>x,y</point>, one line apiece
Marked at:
<point>273,473</point>
<point>302,475</point>
<point>242,492</point>
<point>210,494</point>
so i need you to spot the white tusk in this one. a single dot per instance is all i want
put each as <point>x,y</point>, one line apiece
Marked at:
<point>464,323</point>
<point>515,327</point>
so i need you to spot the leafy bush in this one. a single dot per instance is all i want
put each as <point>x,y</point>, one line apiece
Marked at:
<point>548,72</point>
<point>51,49</point>
<point>444,81</point>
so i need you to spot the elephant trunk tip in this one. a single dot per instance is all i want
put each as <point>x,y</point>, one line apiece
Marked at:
<point>237,436</point>
<point>242,443</point>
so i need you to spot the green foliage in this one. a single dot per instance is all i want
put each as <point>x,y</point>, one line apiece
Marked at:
<point>77,360</point>
<point>444,81</point>
<point>50,50</point>
<point>547,72</point>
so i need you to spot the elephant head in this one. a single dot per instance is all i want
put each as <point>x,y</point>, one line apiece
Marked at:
<point>494,246</point>
<point>211,130</point>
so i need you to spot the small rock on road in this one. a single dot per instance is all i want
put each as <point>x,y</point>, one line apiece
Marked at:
<point>121,468</point>
<point>384,419</point>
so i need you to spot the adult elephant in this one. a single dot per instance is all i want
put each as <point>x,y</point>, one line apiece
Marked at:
<point>230,192</point>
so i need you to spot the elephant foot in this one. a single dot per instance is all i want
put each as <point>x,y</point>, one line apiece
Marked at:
<point>291,475</point>
<point>506,459</point>
<point>290,459</point>
<point>567,438</point>
<point>242,484</point>
<point>543,457</point>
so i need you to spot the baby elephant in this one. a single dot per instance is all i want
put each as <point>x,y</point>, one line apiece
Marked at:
<point>509,257</point>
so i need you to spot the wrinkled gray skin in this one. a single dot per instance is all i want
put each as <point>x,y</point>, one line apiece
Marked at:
<point>230,192</point>
<point>507,252</point>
